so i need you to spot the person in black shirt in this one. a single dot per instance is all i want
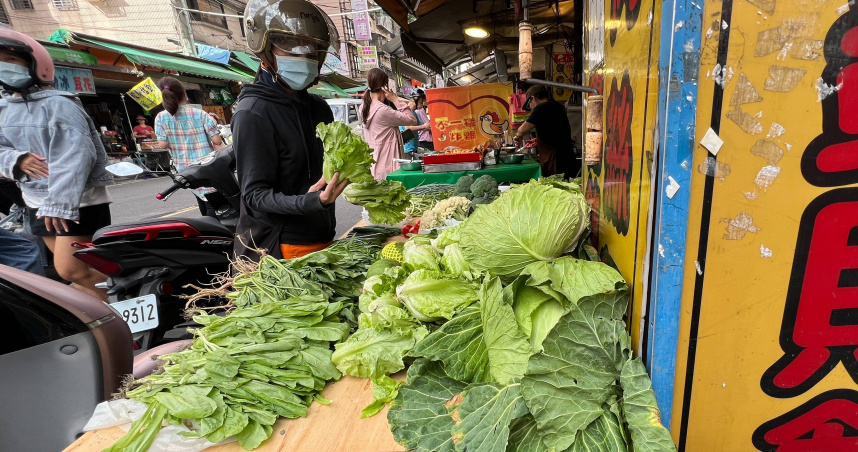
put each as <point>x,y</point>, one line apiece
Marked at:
<point>553,133</point>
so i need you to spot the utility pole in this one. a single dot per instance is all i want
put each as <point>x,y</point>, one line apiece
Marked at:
<point>183,23</point>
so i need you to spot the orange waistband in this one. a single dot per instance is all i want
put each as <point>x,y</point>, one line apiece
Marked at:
<point>293,251</point>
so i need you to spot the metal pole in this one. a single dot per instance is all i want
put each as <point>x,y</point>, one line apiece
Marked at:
<point>128,118</point>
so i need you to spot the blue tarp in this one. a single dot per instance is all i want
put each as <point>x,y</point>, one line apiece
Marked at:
<point>213,54</point>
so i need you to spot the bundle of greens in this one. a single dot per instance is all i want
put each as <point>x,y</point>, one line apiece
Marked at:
<point>541,364</point>
<point>336,273</point>
<point>243,371</point>
<point>345,153</point>
<point>385,200</point>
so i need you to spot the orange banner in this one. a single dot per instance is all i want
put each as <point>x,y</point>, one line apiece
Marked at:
<point>465,116</point>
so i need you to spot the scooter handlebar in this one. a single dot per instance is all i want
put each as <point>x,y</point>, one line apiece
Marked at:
<point>166,193</point>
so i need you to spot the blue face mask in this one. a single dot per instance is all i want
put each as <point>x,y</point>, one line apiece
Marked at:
<point>297,72</point>
<point>14,76</point>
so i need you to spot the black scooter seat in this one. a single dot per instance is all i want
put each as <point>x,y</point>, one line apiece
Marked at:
<point>206,226</point>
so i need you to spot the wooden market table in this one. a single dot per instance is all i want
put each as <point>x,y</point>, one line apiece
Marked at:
<point>526,170</point>
<point>333,428</point>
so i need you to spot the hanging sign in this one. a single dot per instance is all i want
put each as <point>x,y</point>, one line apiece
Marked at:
<point>147,94</point>
<point>74,80</point>
<point>466,116</point>
<point>368,58</point>
<point>361,21</point>
<point>220,95</point>
<point>563,73</point>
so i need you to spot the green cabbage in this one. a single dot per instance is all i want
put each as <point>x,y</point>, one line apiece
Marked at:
<point>454,262</point>
<point>345,153</point>
<point>530,223</point>
<point>431,297</point>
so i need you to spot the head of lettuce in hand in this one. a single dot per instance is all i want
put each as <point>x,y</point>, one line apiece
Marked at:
<point>345,153</point>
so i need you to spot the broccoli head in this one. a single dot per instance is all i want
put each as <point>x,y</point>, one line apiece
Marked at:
<point>482,200</point>
<point>485,186</point>
<point>463,185</point>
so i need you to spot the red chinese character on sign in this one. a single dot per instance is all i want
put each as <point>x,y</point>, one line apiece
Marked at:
<point>78,85</point>
<point>470,134</point>
<point>825,423</point>
<point>831,159</point>
<point>820,326</point>
<point>87,85</point>
<point>469,121</point>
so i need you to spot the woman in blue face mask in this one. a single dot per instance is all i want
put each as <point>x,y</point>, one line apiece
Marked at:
<point>287,207</point>
<point>48,145</point>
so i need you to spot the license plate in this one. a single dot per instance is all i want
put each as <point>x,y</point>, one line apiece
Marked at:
<point>139,313</point>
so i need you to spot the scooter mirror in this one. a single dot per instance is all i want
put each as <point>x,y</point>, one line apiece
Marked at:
<point>124,169</point>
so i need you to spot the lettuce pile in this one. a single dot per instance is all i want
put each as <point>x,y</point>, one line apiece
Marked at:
<point>345,153</point>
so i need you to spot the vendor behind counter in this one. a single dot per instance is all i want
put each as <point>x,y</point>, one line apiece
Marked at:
<point>553,133</point>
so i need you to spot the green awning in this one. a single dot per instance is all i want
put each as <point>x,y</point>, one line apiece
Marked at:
<point>356,90</point>
<point>247,60</point>
<point>72,56</point>
<point>151,58</point>
<point>175,63</point>
<point>335,89</point>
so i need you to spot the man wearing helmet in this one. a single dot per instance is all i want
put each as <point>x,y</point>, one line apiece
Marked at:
<point>51,147</point>
<point>287,208</point>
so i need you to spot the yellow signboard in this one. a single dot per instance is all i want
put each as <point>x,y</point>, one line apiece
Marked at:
<point>147,94</point>
<point>619,188</point>
<point>768,335</point>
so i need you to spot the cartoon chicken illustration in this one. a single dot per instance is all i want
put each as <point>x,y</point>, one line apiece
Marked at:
<point>491,124</point>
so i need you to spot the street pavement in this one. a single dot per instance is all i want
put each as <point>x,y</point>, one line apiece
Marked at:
<point>134,200</point>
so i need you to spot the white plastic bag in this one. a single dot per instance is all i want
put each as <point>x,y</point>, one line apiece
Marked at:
<point>121,413</point>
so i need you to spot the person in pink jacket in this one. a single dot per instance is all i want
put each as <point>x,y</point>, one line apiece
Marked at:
<point>382,113</point>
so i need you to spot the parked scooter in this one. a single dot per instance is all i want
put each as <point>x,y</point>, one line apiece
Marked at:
<point>63,352</point>
<point>150,263</point>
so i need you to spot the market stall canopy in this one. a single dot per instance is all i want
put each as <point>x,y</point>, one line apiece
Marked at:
<point>105,51</point>
<point>342,81</point>
<point>437,36</point>
<point>329,91</point>
<point>67,55</point>
<point>248,60</point>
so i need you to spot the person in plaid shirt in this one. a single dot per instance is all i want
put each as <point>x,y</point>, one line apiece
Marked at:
<point>188,132</point>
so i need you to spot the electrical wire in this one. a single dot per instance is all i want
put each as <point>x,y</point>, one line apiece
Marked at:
<point>79,25</point>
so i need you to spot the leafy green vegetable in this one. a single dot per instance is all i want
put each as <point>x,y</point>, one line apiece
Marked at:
<point>524,436</point>
<point>459,345</point>
<point>566,385</point>
<point>530,223</point>
<point>380,266</point>
<point>418,256</point>
<point>572,278</point>
<point>454,263</point>
<point>483,418</point>
<point>384,390</point>
<point>385,200</point>
<point>373,353</point>
<point>605,434</point>
<point>345,153</point>
<point>418,416</point>
<point>641,412</point>
<point>507,347</point>
<point>448,237</point>
<point>430,296</point>
<point>243,370</point>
